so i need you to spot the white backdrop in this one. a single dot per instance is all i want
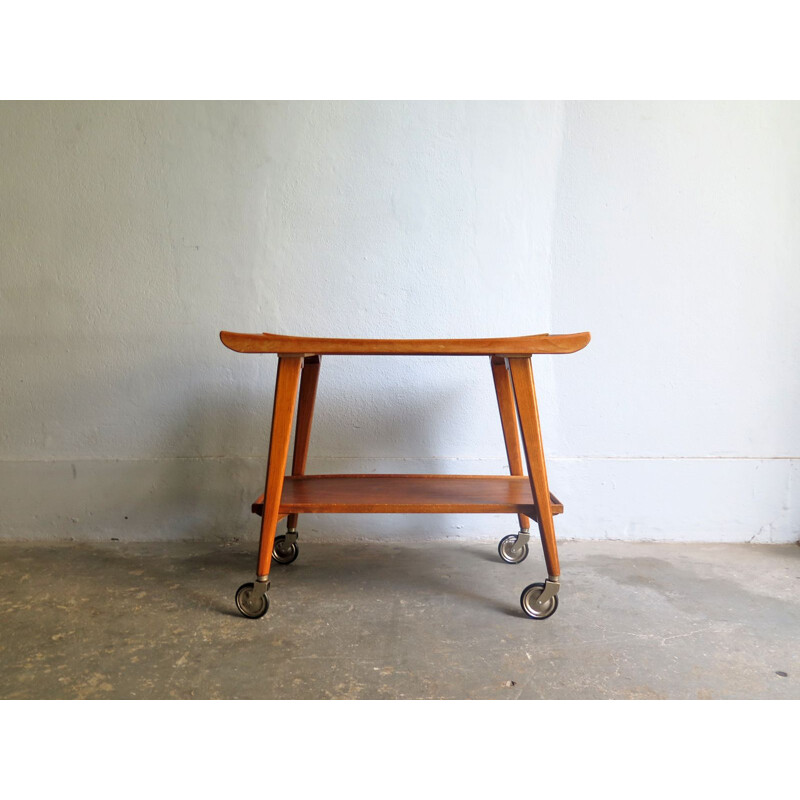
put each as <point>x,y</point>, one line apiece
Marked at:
<point>131,233</point>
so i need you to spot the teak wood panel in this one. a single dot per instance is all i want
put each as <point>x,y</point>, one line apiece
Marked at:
<point>305,416</point>
<point>286,383</point>
<point>300,345</point>
<point>528,412</point>
<point>407,494</point>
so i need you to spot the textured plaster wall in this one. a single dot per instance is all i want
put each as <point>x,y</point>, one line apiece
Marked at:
<point>131,233</point>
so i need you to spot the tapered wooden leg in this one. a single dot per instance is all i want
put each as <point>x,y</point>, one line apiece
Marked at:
<point>508,419</point>
<point>305,415</point>
<point>528,411</point>
<point>282,417</point>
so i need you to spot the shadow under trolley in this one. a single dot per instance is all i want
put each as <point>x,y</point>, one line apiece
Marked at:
<point>287,496</point>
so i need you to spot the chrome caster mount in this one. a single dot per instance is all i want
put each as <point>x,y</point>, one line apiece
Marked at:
<point>540,600</point>
<point>285,549</point>
<point>251,598</point>
<point>513,549</point>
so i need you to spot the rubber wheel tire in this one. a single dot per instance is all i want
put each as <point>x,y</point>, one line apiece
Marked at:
<point>502,550</point>
<point>244,604</point>
<point>281,556</point>
<point>529,594</point>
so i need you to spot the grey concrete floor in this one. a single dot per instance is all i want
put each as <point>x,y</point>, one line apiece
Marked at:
<point>391,620</point>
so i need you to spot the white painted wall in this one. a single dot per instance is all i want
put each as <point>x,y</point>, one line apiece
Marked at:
<point>131,233</point>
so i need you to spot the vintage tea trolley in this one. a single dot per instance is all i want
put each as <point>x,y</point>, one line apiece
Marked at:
<point>528,496</point>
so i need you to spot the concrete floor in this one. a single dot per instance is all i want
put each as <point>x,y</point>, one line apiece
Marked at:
<point>390,620</point>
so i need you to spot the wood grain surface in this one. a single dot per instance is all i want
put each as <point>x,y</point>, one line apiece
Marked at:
<point>299,345</point>
<point>407,494</point>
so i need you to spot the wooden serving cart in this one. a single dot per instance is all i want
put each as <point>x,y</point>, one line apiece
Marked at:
<point>288,496</point>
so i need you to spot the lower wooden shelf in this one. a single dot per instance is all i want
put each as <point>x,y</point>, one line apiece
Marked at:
<point>407,494</point>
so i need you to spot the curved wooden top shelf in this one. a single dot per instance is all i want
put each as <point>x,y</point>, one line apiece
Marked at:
<point>307,346</point>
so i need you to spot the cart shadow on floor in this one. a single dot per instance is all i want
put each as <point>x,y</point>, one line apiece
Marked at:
<point>205,576</point>
<point>371,567</point>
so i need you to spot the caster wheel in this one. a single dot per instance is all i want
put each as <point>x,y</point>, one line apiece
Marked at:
<point>247,605</point>
<point>510,551</point>
<point>283,553</point>
<point>530,594</point>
